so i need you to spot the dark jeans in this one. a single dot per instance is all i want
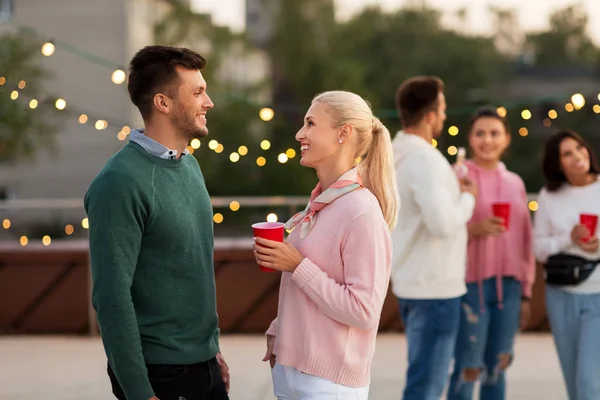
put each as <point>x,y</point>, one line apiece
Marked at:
<point>202,381</point>
<point>431,329</point>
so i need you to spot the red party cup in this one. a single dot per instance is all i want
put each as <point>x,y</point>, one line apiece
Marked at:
<point>502,210</point>
<point>590,221</point>
<point>270,231</point>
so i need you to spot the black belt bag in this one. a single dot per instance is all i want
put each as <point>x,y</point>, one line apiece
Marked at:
<point>568,270</point>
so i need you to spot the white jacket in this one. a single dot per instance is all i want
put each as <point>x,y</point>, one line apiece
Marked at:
<point>430,241</point>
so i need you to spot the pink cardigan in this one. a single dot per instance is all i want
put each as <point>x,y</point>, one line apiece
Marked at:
<point>509,254</point>
<point>329,307</point>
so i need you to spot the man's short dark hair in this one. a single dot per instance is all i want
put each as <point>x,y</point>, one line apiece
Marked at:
<point>416,97</point>
<point>153,70</point>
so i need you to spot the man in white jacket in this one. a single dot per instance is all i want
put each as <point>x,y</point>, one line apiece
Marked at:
<point>430,241</point>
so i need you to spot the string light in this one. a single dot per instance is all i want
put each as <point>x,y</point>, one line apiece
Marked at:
<point>46,240</point>
<point>578,101</point>
<point>234,157</point>
<point>83,119</point>
<point>453,131</point>
<point>48,49</point>
<point>23,240</point>
<point>242,150</point>
<point>552,114</point>
<point>33,104</point>
<point>265,145</point>
<point>234,205</point>
<point>219,148</point>
<point>190,149</point>
<point>118,76</point>
<point>6,223</point>
<point>452,150</point>
<point>290,153</point>
<point>266,114</point>
<point>523,131</point>
<point>213,144</point>
<point>596,108</point>
<point>101,124</point>
<point>60,104</point>
<point>434,142</point>
<point>547,123</point>
<point>121,135</point>
<point>14,95</point>
<point>21,85</point>
<point>533,205</point>
<point>526,114</point>
<point>501,111</point>
<point>569,107</point>
<point>272,217</point>
<point>69,229</point>
<point>261,161</point>
<point>218,218</point>
<point>195,143</point>
<point>85,223</point>
<point>3,81</point>
<point>282,158</point>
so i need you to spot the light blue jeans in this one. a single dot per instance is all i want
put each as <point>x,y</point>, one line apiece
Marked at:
<point>575,323</point>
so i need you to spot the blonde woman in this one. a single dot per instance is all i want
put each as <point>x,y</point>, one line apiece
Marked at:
<point>337,260</point>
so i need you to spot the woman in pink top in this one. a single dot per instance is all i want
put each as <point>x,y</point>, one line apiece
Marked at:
<point>336,262</point>
<point>500,267</point>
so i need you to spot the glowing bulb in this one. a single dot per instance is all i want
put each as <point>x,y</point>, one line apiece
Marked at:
<point>272,217</point>
<point>596,108</point>
<point>126,129</point>
<point>265,145</point>
<point>453,131</point>
<point>213,144</point>
<point>101,124</point>
<point>3,81</point>
<point>219,148</point>
<point>22,84</point>
<point>48,49</point>
<point>69,229</point>
<point>526,114</point>
<point>578,101</point>
<point>282,158</point>
<point>261,161</point>
<point>85,223</point>
<point>234,205</point>
<point>23,240</point>
<point>218,218</point>
<point>266,114</point>
<point>118,76</point>
<point>46,240</point>
<point>523,131</point>
<point>452,150</point>
<point>501,111</point>
<point>33,103</point>
<point>290,153</point>
<point>195,143</point>
<point>434,142</point>
<point>547,123</point>
<point>533,205</point>
<point>14,95</point>
<point>190,149</point>
<point>552,114</point>
<point>243,150</point>
<point>83,119</point>
<point>6,223</point>
<point>234,157</point>
<point>121,135</point>
<point>60,104</point>
<point>569,107</point>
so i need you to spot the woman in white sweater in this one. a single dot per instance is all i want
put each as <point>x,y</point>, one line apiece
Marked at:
<point>573,301</point>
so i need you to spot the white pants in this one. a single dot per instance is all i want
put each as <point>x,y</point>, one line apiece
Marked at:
<point>291,384</point>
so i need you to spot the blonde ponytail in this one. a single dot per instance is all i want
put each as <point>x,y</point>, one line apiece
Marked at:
<point>379,174</point>
<point>373,147</point>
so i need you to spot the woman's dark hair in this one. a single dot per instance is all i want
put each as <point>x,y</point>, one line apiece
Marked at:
<point>488,112</point>
<point>551,167</point>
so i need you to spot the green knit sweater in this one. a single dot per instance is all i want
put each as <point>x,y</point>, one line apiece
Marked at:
<point>151,248</point>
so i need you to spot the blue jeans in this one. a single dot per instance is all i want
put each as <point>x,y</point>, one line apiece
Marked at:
<point>484,338</point>
<point>431,329</point>
<point>575,322</point>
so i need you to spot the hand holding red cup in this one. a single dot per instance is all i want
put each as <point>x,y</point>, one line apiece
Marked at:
<point>271,231</point>
<point>590,221</point>
<point>502,210</point>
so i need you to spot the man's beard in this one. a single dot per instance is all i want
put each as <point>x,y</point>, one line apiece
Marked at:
<point>187,126</point>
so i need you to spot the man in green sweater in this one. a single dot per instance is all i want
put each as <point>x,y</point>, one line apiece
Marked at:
<point>151,242</point>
